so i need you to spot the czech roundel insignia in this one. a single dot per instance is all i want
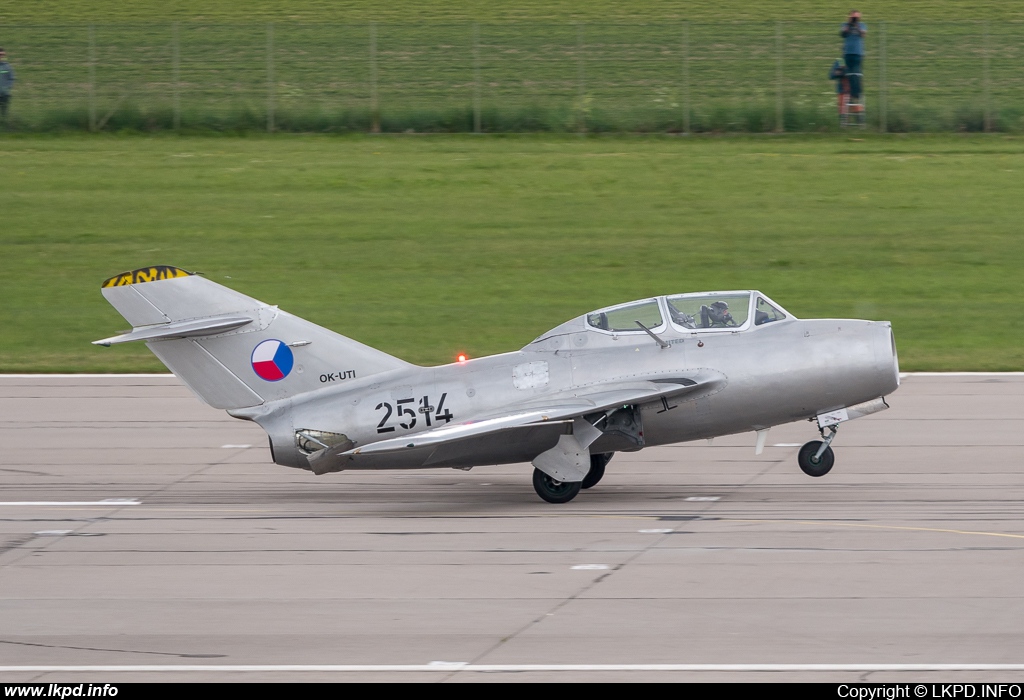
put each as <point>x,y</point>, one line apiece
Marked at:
<point>272,360</point>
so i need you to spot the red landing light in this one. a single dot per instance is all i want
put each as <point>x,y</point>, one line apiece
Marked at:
<point>462,357</point>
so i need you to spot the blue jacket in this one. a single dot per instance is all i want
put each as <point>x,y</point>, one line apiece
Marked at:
<point>853,40</point>
<point>838,74</point>
<point>6,78</point>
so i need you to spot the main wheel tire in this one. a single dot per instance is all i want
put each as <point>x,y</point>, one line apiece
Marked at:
<point>552,490</point>
<point>597,465</point>
<point>815,467</point>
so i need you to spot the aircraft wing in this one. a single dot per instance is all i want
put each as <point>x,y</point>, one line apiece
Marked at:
<point>554,409</point>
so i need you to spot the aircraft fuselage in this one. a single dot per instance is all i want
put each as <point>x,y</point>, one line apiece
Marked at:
<point>771,375</point>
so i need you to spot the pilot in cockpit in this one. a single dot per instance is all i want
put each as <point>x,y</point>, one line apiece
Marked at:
<point>716,316</point>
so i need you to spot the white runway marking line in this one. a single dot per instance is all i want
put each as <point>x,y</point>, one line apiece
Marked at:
<point>455,666</point>
<point>235,447</point>
<point>702,498</point>
<point>961,374</point>
<point>655,531</point>
<point>590,567</point>
<point>786,444</point>
<point>104,502</point>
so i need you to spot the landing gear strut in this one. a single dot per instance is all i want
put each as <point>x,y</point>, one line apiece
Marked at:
<point>816,457</point>
<point>597,465</point>
<point>552,490</point>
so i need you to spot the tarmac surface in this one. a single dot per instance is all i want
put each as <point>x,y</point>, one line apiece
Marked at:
<point>147,537</point>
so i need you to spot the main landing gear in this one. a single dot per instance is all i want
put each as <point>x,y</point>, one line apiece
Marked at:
<point>816,457</point>
<point>597,465</point>
<point>554,491</point>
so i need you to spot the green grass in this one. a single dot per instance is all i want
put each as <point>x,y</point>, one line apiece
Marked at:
<point>64,11</point>
<point>429,245</point>
<point>601,76</point>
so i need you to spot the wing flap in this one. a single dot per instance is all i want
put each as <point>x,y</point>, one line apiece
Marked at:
<point>559,407</point>
<point>515,444</point>
<point>466,430</point>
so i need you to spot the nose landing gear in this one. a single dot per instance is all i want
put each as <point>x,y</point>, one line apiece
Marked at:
<point>816,457</point>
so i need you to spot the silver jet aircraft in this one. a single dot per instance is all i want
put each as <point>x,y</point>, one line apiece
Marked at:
<point>649,372</point>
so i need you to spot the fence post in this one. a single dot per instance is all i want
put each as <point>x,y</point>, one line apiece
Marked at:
<point>582,78</point>
<point>883,88</point>
<point>988,82</point>
<point>92,78</point>
<point>176,70</point>
<point>270,77</point>
<point>476,78</point>
<point>779,125</point>
<point>686,77</point>
<point>374,104</point>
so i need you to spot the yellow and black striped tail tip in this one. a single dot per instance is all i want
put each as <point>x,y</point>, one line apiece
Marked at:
<point>146,274</point>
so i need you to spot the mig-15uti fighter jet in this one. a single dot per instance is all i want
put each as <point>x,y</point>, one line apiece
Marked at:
<point>649,372</point>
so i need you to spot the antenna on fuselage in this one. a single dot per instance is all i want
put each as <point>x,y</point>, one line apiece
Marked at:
<point>648,331</point>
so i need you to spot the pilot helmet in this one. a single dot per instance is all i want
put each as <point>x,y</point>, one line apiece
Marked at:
<point>720,306</point>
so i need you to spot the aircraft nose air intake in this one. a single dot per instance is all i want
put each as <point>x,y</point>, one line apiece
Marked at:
<point>895,357</point>
<point>887,358</point>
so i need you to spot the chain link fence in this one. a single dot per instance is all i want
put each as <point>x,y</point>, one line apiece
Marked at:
<point>474,77</point>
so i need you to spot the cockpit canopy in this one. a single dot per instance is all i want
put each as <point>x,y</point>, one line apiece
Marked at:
<point>709,310</point>
<point>619,319</point>
<point>683,313</point>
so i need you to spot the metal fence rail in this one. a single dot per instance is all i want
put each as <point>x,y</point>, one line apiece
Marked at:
<point>677,77</point>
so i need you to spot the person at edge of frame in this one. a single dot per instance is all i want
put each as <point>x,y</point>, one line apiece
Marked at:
<point>853,32</point>
<point>6,83</point>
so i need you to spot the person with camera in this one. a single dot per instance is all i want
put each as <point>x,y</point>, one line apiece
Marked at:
<point>853,32</point>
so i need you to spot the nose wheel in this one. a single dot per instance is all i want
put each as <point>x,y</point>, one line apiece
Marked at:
<point>816,457</point>
<point>552,490</point>
<point>813,465</point>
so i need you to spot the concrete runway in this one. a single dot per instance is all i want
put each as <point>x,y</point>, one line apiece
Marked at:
<point>903,564</point>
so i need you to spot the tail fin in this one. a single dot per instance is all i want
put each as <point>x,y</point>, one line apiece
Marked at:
<point>232,350</point>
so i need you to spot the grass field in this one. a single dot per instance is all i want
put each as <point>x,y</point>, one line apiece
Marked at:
<point>561,67</point>
<point>409,11</point>
<point>662,77</point>
<point>429,245</point>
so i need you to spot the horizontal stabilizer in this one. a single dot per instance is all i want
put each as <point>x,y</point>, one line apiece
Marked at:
<point>181,329</point>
